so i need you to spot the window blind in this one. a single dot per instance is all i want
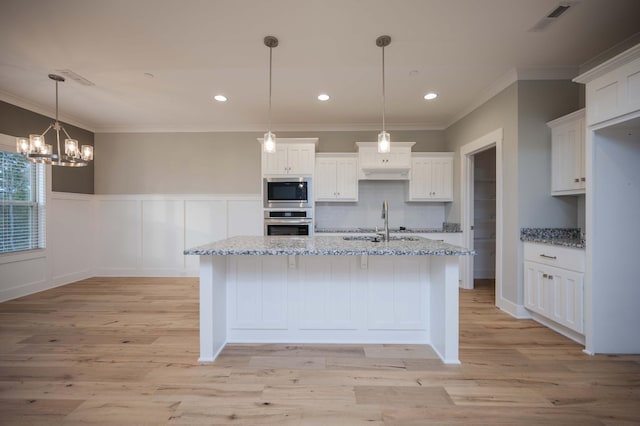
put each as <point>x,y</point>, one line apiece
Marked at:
<point>22,204</point>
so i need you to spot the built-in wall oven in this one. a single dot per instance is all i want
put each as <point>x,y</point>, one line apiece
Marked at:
<point>296,222</point>
<point>287,193</point>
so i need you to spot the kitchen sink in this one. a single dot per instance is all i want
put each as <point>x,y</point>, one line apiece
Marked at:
<point>377,239</point>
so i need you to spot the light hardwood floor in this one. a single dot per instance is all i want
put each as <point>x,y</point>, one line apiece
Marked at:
<point>124,350</point>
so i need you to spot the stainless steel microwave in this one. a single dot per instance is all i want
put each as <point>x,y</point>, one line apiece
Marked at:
<point>289,192</point>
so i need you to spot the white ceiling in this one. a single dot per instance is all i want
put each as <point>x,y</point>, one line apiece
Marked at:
<point>462,49</point>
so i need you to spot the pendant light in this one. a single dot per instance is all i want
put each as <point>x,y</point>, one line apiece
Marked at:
<point>269,144</point>
<point>384,140</point>
<point>36,150</point>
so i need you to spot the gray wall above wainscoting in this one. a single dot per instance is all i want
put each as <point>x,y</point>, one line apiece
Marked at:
<point>211,162</point>
<point>16,121</point>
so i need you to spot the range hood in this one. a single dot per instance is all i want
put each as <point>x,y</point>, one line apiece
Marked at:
<point>394,165</point>
<point>390,173</point>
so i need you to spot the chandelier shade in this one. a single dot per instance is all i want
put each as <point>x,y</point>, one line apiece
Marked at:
<point>36,150</point>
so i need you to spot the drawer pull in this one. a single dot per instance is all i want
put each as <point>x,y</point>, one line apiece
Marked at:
<point>546,256</point>
<point>545,276</point>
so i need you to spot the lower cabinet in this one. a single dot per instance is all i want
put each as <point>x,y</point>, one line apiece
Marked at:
<point>554,291</point>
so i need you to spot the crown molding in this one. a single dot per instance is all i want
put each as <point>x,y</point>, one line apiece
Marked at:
<point>510,77</point>
<point>207,128</point>
<point>610,65</point>
<point>47,112</point>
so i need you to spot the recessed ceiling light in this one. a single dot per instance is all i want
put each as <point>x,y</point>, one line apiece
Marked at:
<point>323,97</point>
<point>220,98</point>
<point>430,96</point>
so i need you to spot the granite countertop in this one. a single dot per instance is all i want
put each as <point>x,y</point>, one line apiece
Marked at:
<point>567,237</point>
<point>326,246</point>
<point>447,227</point>
<point>373,230</point>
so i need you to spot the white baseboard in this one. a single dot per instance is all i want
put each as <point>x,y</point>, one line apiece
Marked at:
<point>513,309</point>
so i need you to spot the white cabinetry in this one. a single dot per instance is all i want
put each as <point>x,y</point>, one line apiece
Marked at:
<point>293,156</point>
<point>553,284</point>
<point>336,177</point>
<point>431,177</point>
<point>613,88</point>
<point>568,174</point>
<point>392,165</point>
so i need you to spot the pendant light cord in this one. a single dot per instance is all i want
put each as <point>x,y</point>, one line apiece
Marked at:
<point>383,90</point>
<point>270,64</point>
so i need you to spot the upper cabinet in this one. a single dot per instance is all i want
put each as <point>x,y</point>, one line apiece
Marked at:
<point>336,177</point>
<point>431,177</point>
<point>568,154</point>
<point>293,156</point>
<point>389,166</point>
<point>613,88</point>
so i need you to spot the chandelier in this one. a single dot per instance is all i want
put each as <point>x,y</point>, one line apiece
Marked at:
<point>384,139</point>
<point>36,150</point>
<point>270,138</point>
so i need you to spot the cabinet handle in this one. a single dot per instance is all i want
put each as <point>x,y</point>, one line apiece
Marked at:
<point>546,256</point>
<point>576,180</point>
<point>545,276</point>
<point>583,179</point>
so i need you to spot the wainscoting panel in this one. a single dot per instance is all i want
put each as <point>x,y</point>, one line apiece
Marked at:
<point>71,238</point>
<point>145,235</point>
<point>119,245</point>
<point>163,237</point>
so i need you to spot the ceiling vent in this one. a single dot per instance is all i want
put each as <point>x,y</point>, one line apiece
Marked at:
<point>552,16</point>
<point>75,77</point>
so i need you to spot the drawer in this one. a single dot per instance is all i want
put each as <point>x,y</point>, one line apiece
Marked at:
<point>561,257</point>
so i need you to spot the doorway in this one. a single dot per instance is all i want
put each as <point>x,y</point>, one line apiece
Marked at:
<point>484,217</point>
<point>481,209</point>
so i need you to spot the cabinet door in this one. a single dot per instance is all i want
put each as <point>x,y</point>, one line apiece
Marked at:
<point>347,179</point>
<point>568,299</point>
<point>275,163</point>
<point>442,179</point>
<point>325,179</point>
<point>538,296</point>
<point>568,158</point>
<point>300,159</point>
<point>562,160</point>
<point>419,185</point>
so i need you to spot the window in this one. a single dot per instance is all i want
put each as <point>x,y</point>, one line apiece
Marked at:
<point>22,204</point>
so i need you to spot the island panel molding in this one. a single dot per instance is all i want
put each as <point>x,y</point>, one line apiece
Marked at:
<point>325,289</point>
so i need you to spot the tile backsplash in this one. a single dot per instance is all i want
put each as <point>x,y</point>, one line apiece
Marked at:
<point>366,212</point>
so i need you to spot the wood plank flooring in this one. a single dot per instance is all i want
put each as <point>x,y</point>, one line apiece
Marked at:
<point>124,351</point>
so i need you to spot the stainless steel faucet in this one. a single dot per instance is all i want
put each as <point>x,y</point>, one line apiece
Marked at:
<point>385,216</point>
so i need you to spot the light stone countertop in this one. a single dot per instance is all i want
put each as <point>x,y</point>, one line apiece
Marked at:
<point>326,246</point>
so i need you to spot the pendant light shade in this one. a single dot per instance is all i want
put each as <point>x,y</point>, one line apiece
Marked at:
<point>384,139</point>
<point>269,143</point>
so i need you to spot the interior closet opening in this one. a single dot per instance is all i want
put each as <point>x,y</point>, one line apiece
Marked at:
<point>484,214</point>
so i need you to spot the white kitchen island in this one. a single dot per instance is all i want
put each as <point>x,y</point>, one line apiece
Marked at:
<point>328,289</point>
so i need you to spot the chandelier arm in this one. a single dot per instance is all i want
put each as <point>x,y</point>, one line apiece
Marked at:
<point>65,132</point>
<point>48,128</point>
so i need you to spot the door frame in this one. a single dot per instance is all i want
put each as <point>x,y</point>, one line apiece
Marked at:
<point>467,152</point>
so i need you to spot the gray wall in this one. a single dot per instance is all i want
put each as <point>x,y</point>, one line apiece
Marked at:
<point>522,111</point>
<point>16,121</point>
<point>210,163</point>
<point>501,111</point>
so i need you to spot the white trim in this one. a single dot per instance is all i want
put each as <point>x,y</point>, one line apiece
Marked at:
<point>179,197</point>
<point>306,127</point>
<point>466,202</point>
<point>42,110</point>
<point>610,65</point>
<point>513,309</point>
<point>510,77</point>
